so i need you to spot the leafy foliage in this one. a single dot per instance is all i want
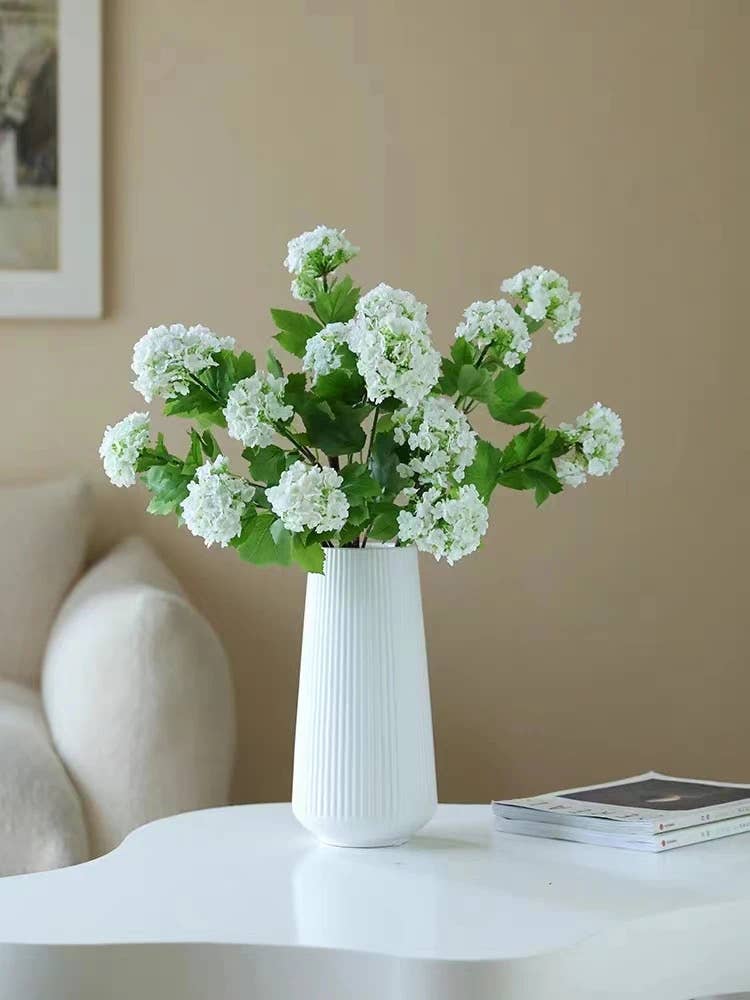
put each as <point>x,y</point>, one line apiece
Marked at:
<point>337,305</point>
<point>333,426</point>
<point>266,464</point>
<point>528,461</point>
<point>295,329</point>
<point>384,461</point>
<point>265,540</point>
<point>510,403</point>
<point>485,469</point>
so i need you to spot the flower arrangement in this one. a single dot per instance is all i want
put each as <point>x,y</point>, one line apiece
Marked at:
<point>371,440</point>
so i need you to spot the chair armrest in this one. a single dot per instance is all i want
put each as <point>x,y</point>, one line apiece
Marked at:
<point>138,697</point>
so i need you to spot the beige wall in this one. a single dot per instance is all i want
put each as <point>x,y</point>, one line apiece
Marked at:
<point>458,142</point>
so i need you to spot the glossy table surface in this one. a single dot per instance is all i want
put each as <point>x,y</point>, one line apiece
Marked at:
<point>505,913</point>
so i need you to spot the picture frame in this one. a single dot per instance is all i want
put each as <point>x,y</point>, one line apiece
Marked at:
<point>72,287</point>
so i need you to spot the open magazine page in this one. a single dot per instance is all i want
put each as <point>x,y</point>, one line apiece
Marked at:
<point>650,802</point>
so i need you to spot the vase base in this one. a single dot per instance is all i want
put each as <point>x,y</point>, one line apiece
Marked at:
<point>365,846</point>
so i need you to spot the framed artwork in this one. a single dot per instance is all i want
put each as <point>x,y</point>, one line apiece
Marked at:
<point>50,158</point>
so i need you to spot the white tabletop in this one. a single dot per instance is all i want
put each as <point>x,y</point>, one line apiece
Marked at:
<point>497,906</point>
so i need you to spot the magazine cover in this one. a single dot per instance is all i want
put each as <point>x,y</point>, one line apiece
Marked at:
<point>649,802</point>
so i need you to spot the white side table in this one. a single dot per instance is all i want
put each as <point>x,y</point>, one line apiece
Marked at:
<point>242,903</point>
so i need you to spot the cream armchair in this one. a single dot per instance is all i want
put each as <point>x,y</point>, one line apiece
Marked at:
<point>116,708</point>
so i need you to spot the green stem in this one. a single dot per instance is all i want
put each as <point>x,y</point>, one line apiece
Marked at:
<point>373,431</point>
<point>299,448</point>
<point>205,388</point>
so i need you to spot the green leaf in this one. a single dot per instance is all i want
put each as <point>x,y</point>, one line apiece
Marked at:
<point>295,330</point>
<point>158,455</point>
<point>295,393</point>
<point>267,464</point>
<point>195,455</point>
<point>341,383</point>
<point>196,404</point>
<point>265,541</point>
<point>333,427</point>
<point>527,462</point>
<point>448,383</point>
<point>535,442</point>
<point>338,304</point>
<point>358,483</point>
<point>244,366</point>
<point>524,446</point>
<point>211,447</point>
<point>544,484</point>
<point>510,403</point>
<point>385,525</point>
<point>309,556</point>
<point>474,383</point>
<point>221,377</point>
<point>462,352</point>
<point>273,365</point>
<point>168,486</point>
<point>484,470</point>
<point>385,460</point>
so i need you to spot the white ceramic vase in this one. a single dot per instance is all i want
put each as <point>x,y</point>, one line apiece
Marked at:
<point>364,761</point>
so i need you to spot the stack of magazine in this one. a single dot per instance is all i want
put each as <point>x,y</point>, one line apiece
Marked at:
<point>648,812</point>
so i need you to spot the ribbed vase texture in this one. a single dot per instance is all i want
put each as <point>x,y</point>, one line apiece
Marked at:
<point>364,762</point>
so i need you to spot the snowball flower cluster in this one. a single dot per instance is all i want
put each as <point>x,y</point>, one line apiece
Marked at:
<point>166,357</point>
<point>254,405</point>
<point>546,295</point>
<point>322,354</point>
<point>313,254</point>
<point>496,324</point>
<point>392,342</point>
<point>441,440</point>
<point>448,527</point>
<point>596,440</point>
<point>215,503</point>
<point>122,445</point>
<point>309,497</point>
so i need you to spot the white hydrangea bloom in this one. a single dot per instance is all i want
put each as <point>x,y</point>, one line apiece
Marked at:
<point>497,323</point>
<point>441,440</point>
<point>571,470</point>
<point>305,288</point>
<point>315,253</point>
<point>309,497</point>
<point>215,503</point>
<point>253,406</point>
<point>326,244</point>
<point>596,441</point>
<point>449,527</point>
<point>122,445</point>
<point>546,295</point>
<point>392,342</point>
<point>166,356</point>
<point>322,354</point>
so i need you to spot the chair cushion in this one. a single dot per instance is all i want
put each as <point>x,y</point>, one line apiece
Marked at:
<point>41,817</point>
<point>45,530</point>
